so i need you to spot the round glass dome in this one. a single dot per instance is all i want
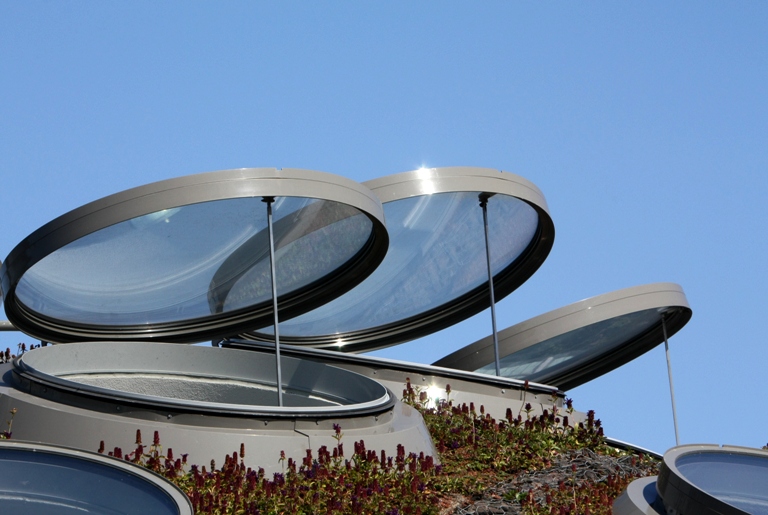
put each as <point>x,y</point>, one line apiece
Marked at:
<point>435,273</point>
<point>187,259</point>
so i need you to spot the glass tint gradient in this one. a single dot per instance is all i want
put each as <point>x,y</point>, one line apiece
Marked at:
<point>436,254</point>
<point>570,350</point>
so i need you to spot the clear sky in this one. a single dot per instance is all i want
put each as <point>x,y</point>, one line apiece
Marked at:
<point>644,124</point>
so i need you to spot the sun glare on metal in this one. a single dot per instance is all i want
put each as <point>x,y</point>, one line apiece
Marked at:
<point>434,395</point>
<point>426,175</point>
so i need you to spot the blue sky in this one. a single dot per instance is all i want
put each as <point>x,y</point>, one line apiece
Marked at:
<point>645,125</point>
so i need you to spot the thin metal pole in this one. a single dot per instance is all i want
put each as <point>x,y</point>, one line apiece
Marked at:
<point>269,201</point>
<point>671,387</point>
<point>484,205</point>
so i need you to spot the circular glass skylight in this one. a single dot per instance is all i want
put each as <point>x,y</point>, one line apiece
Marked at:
<point>39,478</point>
<point>196,379</point>
<point>707,479</point>
<point>187,259</point>
<point>435,273</point>
<point>574,344</point>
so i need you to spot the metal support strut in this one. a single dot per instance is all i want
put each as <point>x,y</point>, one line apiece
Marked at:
<point>483,197</point>
<point>671,387</point>
<point>268,201</point>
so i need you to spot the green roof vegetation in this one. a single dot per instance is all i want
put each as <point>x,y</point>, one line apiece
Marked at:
<point>527,463</point>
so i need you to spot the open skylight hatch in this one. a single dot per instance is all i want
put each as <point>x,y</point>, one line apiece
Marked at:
<point>435,273</point>
<point>576,343</point>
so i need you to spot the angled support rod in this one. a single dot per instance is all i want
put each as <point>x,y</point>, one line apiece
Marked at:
<point>483,198</point>
<point>669,372</point>
<point>269,201</point>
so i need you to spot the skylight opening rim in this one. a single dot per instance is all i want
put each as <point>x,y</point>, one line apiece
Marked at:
<point>154,480</point>
<point>680,493</point>
<point>32,374</point>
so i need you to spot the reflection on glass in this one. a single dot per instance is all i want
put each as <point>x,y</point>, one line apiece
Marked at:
<point>202,389</point>
<point>572,349</point>
<point>39,482</point>
<point>193,261</point>
<point>737,479</point>
<point>436,254</point>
